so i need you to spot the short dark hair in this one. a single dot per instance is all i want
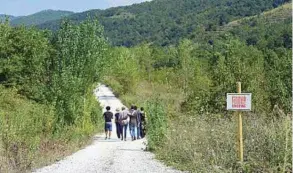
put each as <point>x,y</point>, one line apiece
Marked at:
<point>135,107</point>
<point>141,108</point>
<point>108,108</point>
<point>132,107</point>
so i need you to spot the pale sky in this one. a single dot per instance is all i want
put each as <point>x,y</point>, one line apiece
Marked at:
<point>26,7</point>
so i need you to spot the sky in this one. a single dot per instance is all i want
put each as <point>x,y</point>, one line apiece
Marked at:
<point>26,7</point>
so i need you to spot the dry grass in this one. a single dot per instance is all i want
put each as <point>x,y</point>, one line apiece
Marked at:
<point>209,145</point>
<point>170,96</point>
<point>48,152</point>
<point>27,138</point>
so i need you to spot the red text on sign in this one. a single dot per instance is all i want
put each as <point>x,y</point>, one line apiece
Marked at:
<point>238,101</point>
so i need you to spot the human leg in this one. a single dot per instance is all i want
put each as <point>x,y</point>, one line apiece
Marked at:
<point>138,131</point>
<point>135,132</point>
<point>131,129</point>
<point>109,129</point>
<point>117,130</point>
<point>106,130</point>
<point>120,131</point>
<point>125,130</point>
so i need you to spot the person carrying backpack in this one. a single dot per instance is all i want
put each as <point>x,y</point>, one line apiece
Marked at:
<point>118,125</point>
<point>123,120</point>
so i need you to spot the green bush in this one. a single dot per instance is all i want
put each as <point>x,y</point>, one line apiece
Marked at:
<point>48,104</point>
<point>23,124</point>
<point>156,123</point>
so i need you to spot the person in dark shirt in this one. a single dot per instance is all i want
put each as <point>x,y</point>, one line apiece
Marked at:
<point>139,124</point>
<point>108,116</point>
<point>118,125</point>
<point>143,122</point>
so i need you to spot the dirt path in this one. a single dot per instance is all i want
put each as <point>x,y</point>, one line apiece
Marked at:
<point>110,156</point>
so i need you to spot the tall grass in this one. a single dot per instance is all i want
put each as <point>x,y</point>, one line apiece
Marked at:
<point>22,125</point>
<point>209,144</point>
<point>27,136</point>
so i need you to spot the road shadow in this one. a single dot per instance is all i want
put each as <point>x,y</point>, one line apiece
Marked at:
<point>107,98</point>
<point>102,139</point>
<point>124,149</point>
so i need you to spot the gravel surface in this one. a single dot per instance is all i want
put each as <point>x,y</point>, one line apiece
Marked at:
<point>111,155</point>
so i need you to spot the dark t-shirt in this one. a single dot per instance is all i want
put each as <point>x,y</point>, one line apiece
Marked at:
<point>108,116</point>
<point>117,116</point>
<point>142,116</point>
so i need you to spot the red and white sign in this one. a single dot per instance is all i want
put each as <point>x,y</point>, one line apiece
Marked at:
<point>239,101</point>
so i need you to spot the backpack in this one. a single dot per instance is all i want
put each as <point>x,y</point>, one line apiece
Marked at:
<point>123,117</point>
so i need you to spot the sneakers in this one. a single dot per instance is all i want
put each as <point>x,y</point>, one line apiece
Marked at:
<point>106,138</point>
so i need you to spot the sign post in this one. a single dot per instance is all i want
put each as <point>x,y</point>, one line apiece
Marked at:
<point>239,102</point>
<point>240,136</point>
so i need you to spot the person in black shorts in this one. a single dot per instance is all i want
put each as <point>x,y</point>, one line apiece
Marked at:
<point>108,122</point>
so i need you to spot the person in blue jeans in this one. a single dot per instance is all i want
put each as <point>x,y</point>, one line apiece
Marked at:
<point>108,116</point>
<point>123,120</point>
<point>133,122</point>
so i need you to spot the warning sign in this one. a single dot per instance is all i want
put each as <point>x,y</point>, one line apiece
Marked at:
<point>239,101</point>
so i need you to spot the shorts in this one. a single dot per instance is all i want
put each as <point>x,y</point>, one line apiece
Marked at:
<point>108,126</point>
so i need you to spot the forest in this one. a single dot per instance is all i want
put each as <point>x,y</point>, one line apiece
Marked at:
<point>165,22</point>
<point>47,81</point>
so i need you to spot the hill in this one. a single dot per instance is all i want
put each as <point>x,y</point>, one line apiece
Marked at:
<point>164,22</point>
<point>40,17</point>
<point>4,16</point>
<point>270,29</point>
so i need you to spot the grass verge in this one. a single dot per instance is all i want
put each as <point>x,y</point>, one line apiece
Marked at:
<point>207,143</point>
<point>28,135</point>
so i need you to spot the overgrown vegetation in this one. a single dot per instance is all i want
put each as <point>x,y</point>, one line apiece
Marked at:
<point>182,86</point>
<point>165,22</point>
<point>46,92</point>
<point>188,85</point>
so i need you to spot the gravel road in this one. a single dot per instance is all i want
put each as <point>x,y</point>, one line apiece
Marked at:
<point>109,156</point>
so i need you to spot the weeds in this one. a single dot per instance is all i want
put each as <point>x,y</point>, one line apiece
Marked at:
<point>209,145</point>
<point>27,137</point>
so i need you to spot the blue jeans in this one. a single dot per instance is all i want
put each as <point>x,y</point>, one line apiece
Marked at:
<point>138,130</point>
<point>119,130</point>
<point>124,129</point>
<point>133,130</point>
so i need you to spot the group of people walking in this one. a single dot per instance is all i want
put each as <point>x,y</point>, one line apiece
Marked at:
<point>134,118</point>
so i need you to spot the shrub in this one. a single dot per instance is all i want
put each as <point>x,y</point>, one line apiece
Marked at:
<point>156,123</point>
<point>23,124</point>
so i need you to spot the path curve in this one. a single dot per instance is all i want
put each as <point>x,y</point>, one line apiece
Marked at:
<point>109,156</point>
